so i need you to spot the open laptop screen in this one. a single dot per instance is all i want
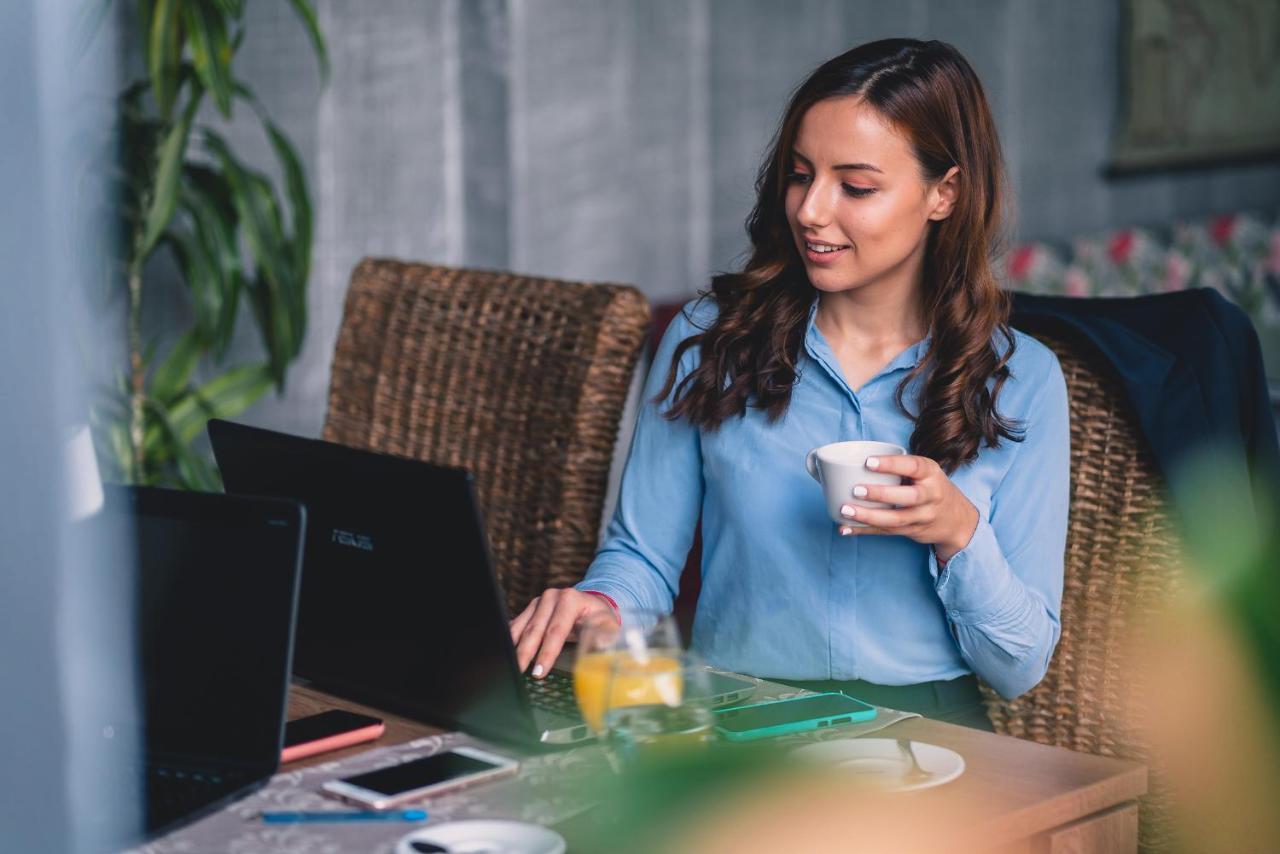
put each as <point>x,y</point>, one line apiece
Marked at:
<point>216,598</point>
<point>399,607</point>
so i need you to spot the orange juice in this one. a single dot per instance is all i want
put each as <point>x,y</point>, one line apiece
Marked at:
<point>654,681</point>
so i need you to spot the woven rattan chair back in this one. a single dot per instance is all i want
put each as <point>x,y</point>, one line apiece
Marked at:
<point>520,380</point>
<point>1121,564</point>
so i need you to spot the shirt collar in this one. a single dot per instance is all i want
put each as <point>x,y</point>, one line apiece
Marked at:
<point>818,348</point>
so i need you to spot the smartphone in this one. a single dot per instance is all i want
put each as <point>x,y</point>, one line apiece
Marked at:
<point>431,775</point>
<point>797,714</point>
<point>332,730</point>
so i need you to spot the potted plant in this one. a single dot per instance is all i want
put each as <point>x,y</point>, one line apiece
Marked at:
<point>230,233</point>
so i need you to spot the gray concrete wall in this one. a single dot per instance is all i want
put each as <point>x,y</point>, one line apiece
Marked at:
<point>618,140</point>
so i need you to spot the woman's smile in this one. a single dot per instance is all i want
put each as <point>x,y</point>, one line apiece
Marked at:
<point>819,252</point>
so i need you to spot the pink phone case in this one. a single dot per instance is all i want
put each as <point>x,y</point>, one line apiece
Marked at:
<point>332,742</point>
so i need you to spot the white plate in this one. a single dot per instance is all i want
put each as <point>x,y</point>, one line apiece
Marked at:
<point>882,762</point>
<point>483,837</point>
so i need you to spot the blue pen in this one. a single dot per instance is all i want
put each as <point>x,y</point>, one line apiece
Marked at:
<point>293,817</point>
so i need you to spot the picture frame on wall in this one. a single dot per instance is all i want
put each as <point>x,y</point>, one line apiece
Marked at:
<point>1201,84</point>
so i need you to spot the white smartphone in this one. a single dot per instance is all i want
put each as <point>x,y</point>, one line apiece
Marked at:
<point>431,775</point>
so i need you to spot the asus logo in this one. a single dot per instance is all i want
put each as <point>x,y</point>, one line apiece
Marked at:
<point>355,541</point>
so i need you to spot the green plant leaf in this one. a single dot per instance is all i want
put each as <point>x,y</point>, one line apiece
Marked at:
<point>297,193</point>
<point>164,53</point>
<point>168,171</point>
<point>273,291</point>
<point>295,185</point>
<point>140,138</point>
<point>231,8</point>
<point>197,273</point>
<point>158,445</point>
<point>225,396</point>
<point>208,205</point>
<point>308,15</point>
<point>193,470</point>
<point>210,52</point>
<point>173,374</point>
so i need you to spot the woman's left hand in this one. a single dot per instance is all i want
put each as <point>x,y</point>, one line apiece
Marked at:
<point>930,508</point>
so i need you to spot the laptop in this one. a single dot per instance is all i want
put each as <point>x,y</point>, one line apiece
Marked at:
<point>217,580</point>
<point>400,605</point>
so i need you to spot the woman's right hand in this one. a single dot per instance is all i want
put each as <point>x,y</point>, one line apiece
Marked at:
<point>542,628</point>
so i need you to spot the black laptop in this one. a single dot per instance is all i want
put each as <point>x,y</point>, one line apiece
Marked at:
<point>400,605</point>
<point>217,581</point>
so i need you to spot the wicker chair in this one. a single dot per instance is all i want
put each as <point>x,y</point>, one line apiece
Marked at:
<point>1121,563</point>
<point>520,380</point>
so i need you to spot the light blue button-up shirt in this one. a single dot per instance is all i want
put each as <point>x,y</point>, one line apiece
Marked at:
<point>783,594</point>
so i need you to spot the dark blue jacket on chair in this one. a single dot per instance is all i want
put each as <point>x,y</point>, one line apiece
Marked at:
<point>1192,368</point>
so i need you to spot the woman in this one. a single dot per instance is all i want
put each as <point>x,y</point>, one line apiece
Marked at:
<point>868,310</point>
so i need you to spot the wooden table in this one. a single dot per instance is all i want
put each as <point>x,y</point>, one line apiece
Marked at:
<point>1017,796</point>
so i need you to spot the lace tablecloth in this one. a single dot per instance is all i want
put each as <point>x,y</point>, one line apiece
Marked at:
<point>543,792</point>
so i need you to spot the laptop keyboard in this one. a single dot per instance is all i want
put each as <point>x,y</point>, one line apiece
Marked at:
<point>174,792</point>
<point>554,693</point>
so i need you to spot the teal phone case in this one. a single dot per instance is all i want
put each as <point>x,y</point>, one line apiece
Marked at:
<point>804,725</point>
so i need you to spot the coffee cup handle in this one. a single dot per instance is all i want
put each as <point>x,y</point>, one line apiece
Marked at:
<point>811,463</point>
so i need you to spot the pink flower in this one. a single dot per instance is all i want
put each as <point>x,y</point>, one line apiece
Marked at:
<point>1075,283</point>
<point>1177,269</point>
<point>1223,229</point>
<point>1120,247</point>
<point>1272,264</point>
<point>1021,260</point>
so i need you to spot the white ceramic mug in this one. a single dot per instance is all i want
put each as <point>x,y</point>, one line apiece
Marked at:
<point>841,466</point>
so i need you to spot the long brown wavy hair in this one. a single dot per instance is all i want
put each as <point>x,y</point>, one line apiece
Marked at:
<point>928,91</point>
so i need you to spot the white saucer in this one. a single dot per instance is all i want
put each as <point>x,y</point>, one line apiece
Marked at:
<point>482,837</point>
<point>882,762</point>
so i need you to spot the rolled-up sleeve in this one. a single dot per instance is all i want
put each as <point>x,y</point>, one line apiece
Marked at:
<point>1003,591</point>
<point>660,496</point>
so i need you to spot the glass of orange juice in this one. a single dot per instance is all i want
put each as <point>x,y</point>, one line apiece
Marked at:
<point>646,644</point>
<point>637,686</point>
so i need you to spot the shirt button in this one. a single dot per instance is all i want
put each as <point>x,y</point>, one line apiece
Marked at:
<point>953,614</point>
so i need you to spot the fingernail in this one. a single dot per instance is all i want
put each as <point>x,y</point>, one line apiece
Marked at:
<point>848,510</point>
<point>859,492</point>
<point>844,532</point>
<point>873,462</point>
<point>537,670</point>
